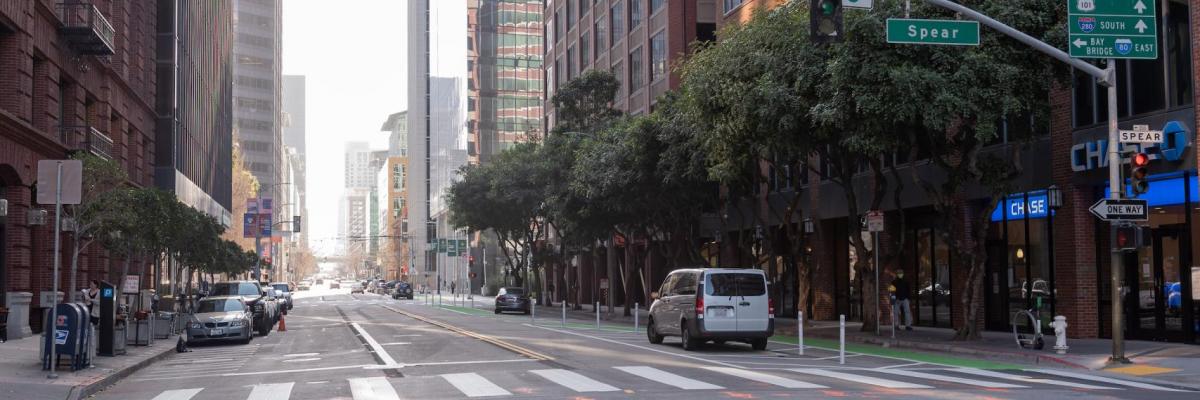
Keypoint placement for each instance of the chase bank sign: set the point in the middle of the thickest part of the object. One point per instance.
(1092, 154)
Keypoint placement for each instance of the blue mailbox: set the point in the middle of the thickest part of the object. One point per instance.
(68, 334)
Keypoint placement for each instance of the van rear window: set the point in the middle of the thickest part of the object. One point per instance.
(735, 284)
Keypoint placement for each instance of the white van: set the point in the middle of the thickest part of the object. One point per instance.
(713, 304)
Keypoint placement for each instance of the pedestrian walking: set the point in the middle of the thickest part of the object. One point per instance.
(900, 290)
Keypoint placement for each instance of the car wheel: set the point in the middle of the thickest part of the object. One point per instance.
(759, 344)
(689, 343)
(652, 334)
(249, 336)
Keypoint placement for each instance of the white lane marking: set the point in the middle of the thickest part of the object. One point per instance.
(288, 371)
(1022, 378)
(766, 378)
(316, 382)
(271, 391)
(300, 354)
(379, 351)
(377, 388)
(394, 343)
(833, 357)
(1114, 381)
(181, 394)
(952, 379)
(667, 378)
(406, 335)
(634, 346)
(887, 383)
(302, 359)
(574, 381)
(376, 366)
(474, 385)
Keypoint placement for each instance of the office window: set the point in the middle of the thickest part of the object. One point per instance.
(655, 5)
(618, 71)
(635, 13)
(562, 71)
(658, 55)
(570, 21)
(573, 62)
(616, 28)
(635, 69)
(730, 5)
(601, 34)
(558, 27)
(585, 54)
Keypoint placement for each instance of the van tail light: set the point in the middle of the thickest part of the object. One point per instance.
(771, 307)
(699, 306)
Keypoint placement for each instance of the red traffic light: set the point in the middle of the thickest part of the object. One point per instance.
(1140, 160)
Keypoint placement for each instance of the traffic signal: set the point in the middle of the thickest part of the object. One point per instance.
(1130, 237)
(825, 21)
(1138, 164)
(296, 223)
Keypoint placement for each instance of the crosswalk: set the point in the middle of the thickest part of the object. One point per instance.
(647, 379)
(200, 361)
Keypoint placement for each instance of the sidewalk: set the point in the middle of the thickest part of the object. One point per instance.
(22, 377)
(1167, 363)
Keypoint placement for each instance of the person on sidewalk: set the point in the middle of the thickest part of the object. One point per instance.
(91, 297)
(900, 291)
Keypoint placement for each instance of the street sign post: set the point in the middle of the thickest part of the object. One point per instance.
(933, 31)
(1112, 29)
(860, 4)
(1121, 210)
(1141, 134)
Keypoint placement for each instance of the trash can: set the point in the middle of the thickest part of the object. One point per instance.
(164, 327)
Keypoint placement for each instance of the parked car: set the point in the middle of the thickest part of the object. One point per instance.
(221, 318)
(335, 285)
(720, 305)
(512, 299)
(262, 309)
(304, 285)
(284, 293)
(272, 302)
(402, 290)
(356, 288)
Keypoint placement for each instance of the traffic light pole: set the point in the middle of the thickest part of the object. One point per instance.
(1108, 78)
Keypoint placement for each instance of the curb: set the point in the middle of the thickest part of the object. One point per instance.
(1031, 358)
(83, 391)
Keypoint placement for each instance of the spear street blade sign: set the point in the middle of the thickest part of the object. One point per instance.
(1121, 210)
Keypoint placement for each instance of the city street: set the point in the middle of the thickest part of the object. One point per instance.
(366, 346)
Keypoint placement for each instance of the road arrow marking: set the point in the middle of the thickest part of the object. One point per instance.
(1079, 43)
(1140, 7)
(1141, 26)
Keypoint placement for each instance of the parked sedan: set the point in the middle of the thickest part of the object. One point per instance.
(221, 318)
(356, 288)
(284, 293)
(512, 299)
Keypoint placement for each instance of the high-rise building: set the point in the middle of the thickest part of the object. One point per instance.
(638, 40)
(392, 181)
(194, 149)
(293, 139)
(357, 166)
(437, 121)
(504, 69)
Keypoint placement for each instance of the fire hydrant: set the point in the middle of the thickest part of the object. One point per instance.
(1060, 334)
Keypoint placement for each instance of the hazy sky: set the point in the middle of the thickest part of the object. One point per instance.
(353, 55)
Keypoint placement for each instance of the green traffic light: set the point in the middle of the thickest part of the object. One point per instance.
(827, 7)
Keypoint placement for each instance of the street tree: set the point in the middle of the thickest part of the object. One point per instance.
(97, 208)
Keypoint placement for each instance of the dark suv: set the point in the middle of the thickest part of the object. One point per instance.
(402, 290)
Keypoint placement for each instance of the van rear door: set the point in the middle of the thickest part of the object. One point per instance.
(720, 301)
(753, 304)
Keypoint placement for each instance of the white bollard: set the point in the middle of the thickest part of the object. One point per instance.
(842, 339)
(800, 333)
(597, 307)
(564, 314)
(1060, 334)
(635, 317)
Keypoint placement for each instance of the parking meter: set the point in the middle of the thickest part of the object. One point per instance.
(108, 319)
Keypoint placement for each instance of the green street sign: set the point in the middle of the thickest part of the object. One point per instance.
(441, 245)
(462, 247)
(1124, 29)
(933, 31)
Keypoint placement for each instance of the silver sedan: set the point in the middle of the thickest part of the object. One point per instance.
(220, 318)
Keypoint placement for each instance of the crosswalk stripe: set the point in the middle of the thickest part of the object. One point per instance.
(1022, 378)
(952, 379)
(887, 383)
(181, 394)
(574, 381)
(765, 378)
(271, 391)
(1114, 381)
(668, 378)
(377, 388)
(474, 385)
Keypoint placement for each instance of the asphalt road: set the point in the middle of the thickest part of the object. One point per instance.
(342, 346)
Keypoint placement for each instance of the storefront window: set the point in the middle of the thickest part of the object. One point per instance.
(1025, 280)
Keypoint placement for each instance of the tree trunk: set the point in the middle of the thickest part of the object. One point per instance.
(610, 268)
(627, 279)
(74, 266)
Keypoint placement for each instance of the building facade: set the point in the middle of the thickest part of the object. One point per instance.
(393, 183)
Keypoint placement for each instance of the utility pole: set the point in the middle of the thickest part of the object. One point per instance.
(1108, 78)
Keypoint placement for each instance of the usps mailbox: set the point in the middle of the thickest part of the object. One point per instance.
(68, 334)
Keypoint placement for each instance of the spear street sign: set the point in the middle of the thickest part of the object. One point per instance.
(1112, 29)
(933, 31)
(1121, 210)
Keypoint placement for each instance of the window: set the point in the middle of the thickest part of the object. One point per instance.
(601, 34)
(635, 13)
(635, 69)
(570, 21)
(618, 71)
(730, 5)
(655, 5)
(735, 284)
(558, 27)
(616, 25)
(658, 55)
(573, 62)
(585, 55)
(562, 71)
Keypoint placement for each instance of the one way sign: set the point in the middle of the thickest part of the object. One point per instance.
(1121, 210)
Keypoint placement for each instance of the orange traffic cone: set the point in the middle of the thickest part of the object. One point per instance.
(282, 324)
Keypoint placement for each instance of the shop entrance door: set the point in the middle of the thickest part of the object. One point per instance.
(1150, 276)
(998, 317)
